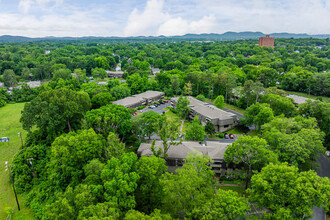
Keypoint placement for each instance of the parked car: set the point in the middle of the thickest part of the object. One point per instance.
(161, 102)
(152, 106)
(231, 136)
(165, 101)
(226, 136)
(135, 113)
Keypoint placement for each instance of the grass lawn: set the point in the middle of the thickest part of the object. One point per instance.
(9, 127)
(326, 99)
(172, 116)
(235, 108)
(213, 137)
(235, 131)
(239, 189)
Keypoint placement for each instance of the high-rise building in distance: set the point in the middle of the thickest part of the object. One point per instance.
(266, 41)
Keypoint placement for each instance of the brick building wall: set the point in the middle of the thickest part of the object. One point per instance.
(266, 41)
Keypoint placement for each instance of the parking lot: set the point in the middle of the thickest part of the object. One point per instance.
(159, 109)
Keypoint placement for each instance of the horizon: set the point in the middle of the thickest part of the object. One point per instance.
(132, 18)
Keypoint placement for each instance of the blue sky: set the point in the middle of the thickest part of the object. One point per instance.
(39, 18)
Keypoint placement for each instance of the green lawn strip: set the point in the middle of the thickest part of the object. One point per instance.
(234, 131)
(326, 99)
(235, 108)
(213, 137)
(239, 189)
(9, 127)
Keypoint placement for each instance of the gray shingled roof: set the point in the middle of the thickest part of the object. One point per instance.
(207, 109)
(134, 99)
(298, 99)
(214, 149)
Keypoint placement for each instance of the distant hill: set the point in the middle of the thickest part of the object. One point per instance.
(210, 36)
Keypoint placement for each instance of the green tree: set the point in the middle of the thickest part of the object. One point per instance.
(102, 211)
(149, 193)
(55, 112)
(196, 131)
(282, 189)
(280, 105)
(93, 89)
(80, 74)
(168, 133)
(61, 74)
(99, 73)
(228, 81)
(252, 152)
(209, 128)
(70, 152)
(109, 118)
(120, 181)
(9, 77)
(192, 186)
(175, 83)
(201, 97)
(147, 123)
(219, 102)
(258, 114)
(296, 140)
(188, 88)
(102, 99)
(182, 107)
(101, 62)
(120, 92)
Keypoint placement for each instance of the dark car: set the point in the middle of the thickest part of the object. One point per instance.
(166, 101)
(231, 136)
(226, 136)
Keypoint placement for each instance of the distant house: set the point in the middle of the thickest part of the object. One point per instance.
(115, 74)
(47, 51)
(2, 85)
(298, 100)
(221, 119)
(178, 153)
(34, 84)
(102, 83)
(137, 100)
(154, 71)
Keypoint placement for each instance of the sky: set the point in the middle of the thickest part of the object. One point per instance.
(76, 18)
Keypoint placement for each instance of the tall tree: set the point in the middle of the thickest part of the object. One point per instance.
(55, 112)
(283, 190)
(219, 102)
(182, 107)
(9, 77)
(196, 132)
(252, 153)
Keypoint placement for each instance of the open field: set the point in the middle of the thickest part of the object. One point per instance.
(9, 127)
(170, 115)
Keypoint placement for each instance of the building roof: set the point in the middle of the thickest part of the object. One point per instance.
(34, 84)
(102, 83)
(135, 99)
(214, 149)
(207, 109)
(115, 72)
(298, 99)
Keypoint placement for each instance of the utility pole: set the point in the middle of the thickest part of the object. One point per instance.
(12, 182)
(19, 134)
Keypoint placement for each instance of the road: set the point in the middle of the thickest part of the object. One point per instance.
(159, 109)
(324, 171)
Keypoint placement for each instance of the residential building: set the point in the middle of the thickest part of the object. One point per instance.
(221, 119)
(115, 74)
(102, 83)
(34, 84)
(266, 41)
(178, 153)
(137, 100)
(154, 71)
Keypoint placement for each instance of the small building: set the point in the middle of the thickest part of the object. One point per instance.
(298, 100)
(34, 84)
(2, 85)
(137, 100)
(154, 71)
(266, 41)
(115, 74)
(178, 153)
(102, 83)
(221, 119)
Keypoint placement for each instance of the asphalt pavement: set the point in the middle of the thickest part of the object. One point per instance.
(159, 109)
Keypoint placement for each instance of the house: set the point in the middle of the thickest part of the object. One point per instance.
(298, 100)
(102, 83)
(154, 71)
(178, 153)
(137, 100)
(34, 84)
(2, 85)
(115, 74)
(221, 119)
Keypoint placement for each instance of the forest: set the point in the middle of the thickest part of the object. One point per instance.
(83, 147)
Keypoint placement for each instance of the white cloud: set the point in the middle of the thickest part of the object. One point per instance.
(144, 23)
(25, 5)
(179, 26)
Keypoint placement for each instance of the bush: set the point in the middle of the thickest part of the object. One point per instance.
(221, 135)
(141, 107)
